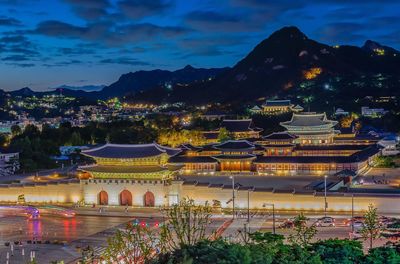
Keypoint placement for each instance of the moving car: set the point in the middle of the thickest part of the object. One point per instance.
(325, 221)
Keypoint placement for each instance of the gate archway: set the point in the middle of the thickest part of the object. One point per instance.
(125, 198)
(149, 200)
(103, 198)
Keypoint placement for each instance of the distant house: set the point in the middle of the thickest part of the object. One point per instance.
(341, 112)
(237, 128)
(297, 108)
(9, 162)
(277, 106)
(372, 112)
(213, 115)
(241, 128)
(255, 110)
(389, 144)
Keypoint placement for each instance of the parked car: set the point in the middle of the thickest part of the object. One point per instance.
(325, 221)
(358, 219)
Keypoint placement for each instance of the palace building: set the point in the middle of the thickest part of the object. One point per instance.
(311, 128)
(129, 175)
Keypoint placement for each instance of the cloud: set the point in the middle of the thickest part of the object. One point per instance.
(125, 61)
(10, 22)
(15, 58)
(90, 9)
(108, 33)
(22, 65)
(215, 21)
(138, 9)
(19, 46)
(342, 32)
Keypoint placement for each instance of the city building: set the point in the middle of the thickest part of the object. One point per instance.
(372, 112)
(277, 106)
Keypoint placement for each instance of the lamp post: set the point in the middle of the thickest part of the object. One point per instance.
(352, 213)
(273, 215)
(233, 196)
(326, 204)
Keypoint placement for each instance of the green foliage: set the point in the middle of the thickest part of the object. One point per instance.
(385, 162)
(303, 234)
(382, 255)
(224, 135)
(15, 130)
(187, 224)
(334, 251)
(371, 229)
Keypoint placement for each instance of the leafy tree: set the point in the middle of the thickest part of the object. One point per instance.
(303, 234)
(382, 255)
(15, 130)
(76, 139)
(186, 225)
(224, 135)
(295, 254)
(134, 244)
(333, 251)
(3, 139)
(371, 229)
(205, 252)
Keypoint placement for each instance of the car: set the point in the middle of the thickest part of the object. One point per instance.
(354, 219)
(383, 220)
(287, 224)
(325, 221)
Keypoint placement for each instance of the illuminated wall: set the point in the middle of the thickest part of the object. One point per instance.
(50, 193)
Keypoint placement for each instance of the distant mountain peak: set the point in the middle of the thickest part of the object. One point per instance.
(372, 46)
(287, 33)
(188, 67)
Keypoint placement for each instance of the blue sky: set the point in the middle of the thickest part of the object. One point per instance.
(48, 43)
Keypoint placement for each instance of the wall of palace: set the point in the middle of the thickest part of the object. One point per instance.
(156, 193)
(61, 192)
(290, 201)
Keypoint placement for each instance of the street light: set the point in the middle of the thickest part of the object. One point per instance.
(326, 204)
(273, 215)
(248, 203)
(352, 213)
(233, 196)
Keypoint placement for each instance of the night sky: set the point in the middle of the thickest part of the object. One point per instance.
(48, 43)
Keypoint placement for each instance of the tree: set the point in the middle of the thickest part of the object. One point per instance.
(371, 229)
(303, 234)
(382, 255)
(76, 139)
(206, 251)
(134, 244)
(223, 135)
(343, 251)
(15, 130)
(186, 225)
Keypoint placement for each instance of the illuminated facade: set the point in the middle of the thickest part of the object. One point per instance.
(311, 128)
(130, 175)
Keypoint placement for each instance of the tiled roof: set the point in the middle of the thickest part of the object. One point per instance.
(277, 103)
(280, 135)
(235, 144)
(235, 157)
(127, 151)
(191, 159)
(233, 125)
(309, 119)
(126, 169)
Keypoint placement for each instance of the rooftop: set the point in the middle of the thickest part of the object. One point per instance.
(308, 119)
(277, 103)
(129, 151)
(239, 125)
(235, 144)
(280, 136)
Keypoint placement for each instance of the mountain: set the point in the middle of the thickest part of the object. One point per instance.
(139, 81)
(288, 64)
(24, 92)
(376, 48)
(86, 88)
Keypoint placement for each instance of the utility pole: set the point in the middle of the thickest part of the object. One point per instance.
(352, 212)
(248, 205)
(326, 204)
(273, 215)
(233, 196)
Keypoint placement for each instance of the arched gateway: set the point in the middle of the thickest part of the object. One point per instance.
(149, 200)
(103, 198)
(125, 198)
